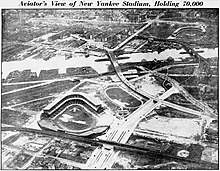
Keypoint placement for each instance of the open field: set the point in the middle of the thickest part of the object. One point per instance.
(7, 88)
(36, 105)
(15, 118)
(179, 99)
(37, 92)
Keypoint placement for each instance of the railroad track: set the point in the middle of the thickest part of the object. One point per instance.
(154, 152)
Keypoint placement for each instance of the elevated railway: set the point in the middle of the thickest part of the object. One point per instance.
(115, 146)
(124, 80)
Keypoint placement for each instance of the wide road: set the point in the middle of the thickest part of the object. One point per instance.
(104, 157)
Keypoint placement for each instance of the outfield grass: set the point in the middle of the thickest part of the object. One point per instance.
(80, 119)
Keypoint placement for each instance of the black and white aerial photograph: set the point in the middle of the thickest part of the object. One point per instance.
(110, 89)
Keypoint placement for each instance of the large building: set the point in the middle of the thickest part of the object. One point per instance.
(75, 113)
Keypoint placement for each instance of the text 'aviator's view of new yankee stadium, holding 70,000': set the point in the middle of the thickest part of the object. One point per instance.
(109, 89)
(109, 4)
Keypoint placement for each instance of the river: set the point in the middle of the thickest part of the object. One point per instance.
(59, 62)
